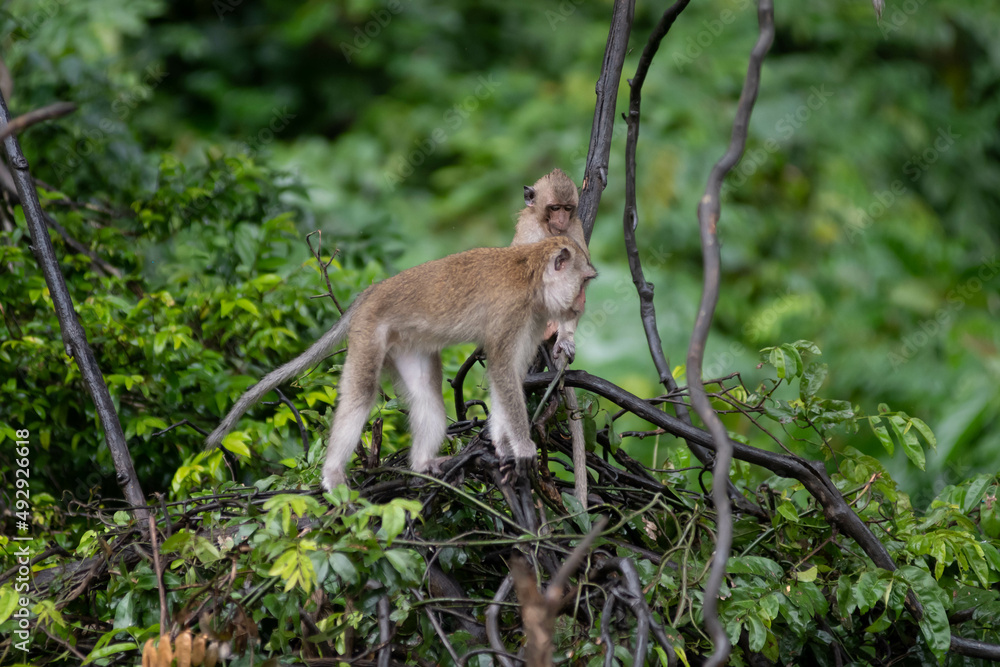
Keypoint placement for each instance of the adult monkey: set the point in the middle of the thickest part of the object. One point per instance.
(550, 209)
(501, 298)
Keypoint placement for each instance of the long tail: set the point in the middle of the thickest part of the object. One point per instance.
(316, 352)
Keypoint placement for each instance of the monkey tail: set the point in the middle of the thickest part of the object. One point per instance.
(316, 352)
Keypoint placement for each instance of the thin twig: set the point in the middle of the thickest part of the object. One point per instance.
(323, 266)
(158, 571)
(298, 420)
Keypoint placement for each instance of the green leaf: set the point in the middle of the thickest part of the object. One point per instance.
(925, 431)
(758, 633)
(248, 305)
(406, 562)
(908, 438)
(8, 602)
(975, 491)
(789, 511)
(109, 650)
(764, 567)
(393, 522)
(236, 443)
(934, 624)
(343, 567)
(882, 433)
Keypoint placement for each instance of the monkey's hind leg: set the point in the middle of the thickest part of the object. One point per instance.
(420, 377)
(509, 426)
(358, 385)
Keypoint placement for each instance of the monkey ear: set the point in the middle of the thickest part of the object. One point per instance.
(529, 195)
(561, 259)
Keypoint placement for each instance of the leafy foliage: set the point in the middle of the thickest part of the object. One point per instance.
(207, 143)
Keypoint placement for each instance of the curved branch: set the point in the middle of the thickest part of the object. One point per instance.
(708, 217)
(630, 221)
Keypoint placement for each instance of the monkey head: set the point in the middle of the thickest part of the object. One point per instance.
(553, 199)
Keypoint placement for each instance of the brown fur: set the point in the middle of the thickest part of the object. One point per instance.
(500, 298)
(535, 223)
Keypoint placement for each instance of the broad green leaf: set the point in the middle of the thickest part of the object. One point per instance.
(764, 567)
(393, 522)
(110, 650)
(882, 433)
(908, 439)
(925, 431)
(975, 491)
(236, 443)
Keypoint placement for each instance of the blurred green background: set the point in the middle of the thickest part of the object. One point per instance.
(864, 216)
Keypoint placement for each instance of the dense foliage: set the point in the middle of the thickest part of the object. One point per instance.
(211, 137)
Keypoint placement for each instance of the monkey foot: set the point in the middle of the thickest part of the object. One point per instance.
(333, 478)
(512, 469)
(433, 467)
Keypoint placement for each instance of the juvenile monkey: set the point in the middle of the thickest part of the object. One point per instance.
(550, 210)
(501, 298)
(550, 207)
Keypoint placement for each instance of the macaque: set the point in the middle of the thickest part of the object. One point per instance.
(501, 298)
(550, 211)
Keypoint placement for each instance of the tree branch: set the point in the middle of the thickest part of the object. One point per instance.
(73, 335)
(23, 121)
(595, 175)
(708, 218)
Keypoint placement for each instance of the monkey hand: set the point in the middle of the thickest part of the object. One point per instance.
(565, 347)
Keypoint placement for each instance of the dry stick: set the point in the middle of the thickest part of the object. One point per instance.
(708, 218)
(159, 575)
(630, 221)
(595, 175)
(73, 335)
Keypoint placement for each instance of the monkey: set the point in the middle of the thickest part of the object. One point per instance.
(550, 207)
(500, 298)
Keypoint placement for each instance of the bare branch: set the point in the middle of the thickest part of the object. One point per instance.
(73, 335)
(595, 176)
(23, 121)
